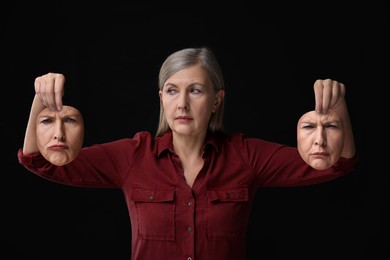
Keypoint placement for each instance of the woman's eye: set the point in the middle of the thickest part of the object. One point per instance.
(70, 120)
(195, 91)
(171, 91)
(307, 126)
(331, 126)
(46, 121)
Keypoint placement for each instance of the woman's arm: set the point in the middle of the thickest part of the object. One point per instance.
(49, 90)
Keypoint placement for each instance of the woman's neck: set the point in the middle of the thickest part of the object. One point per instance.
(188, 146)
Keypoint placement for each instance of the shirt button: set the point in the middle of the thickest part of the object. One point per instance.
(151, 197)
(189, 258)
(189, 229)
(189, 203)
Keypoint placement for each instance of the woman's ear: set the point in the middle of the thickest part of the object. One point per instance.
(218, 99)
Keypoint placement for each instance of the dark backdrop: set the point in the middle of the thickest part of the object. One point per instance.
(270, 55)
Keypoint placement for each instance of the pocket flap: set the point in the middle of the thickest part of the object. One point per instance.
(148, 194)
(235, 194)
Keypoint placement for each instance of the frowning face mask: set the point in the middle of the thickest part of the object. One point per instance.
(320, 139)
(60, 134)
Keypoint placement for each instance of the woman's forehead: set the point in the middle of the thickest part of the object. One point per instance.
(65, 111)
(314, 116)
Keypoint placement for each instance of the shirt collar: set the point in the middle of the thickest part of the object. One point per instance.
(165, 143)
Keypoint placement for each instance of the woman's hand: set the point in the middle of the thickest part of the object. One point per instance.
(329, 95)
(49, 89)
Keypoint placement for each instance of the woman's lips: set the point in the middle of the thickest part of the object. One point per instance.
(58, 147)
(184, 118)
(320, 154)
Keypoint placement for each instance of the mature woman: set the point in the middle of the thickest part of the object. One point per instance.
(189, 188)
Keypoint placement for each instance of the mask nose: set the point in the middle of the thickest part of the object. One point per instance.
(59, 134)
(320, 139)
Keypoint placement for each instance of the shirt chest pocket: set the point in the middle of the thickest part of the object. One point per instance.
(155, 212)
(226, 209)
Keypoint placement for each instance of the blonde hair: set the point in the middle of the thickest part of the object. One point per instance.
(185, 58)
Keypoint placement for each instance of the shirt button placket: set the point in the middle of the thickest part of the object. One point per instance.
(190, 229)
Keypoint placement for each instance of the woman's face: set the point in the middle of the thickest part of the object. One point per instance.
(189, 101)
(60, 134)
(320, 139)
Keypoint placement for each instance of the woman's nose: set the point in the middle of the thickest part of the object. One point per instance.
(183, 107)
(183, 102)
(59, 133)
(320, 139)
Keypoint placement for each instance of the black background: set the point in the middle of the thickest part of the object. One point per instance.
(271, 55)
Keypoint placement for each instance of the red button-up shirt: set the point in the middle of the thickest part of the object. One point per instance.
(172, 220)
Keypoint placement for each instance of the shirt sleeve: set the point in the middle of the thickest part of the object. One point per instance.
(280, 165)
(100, 166)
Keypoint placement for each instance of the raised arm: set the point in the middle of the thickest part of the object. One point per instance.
(49, 90)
